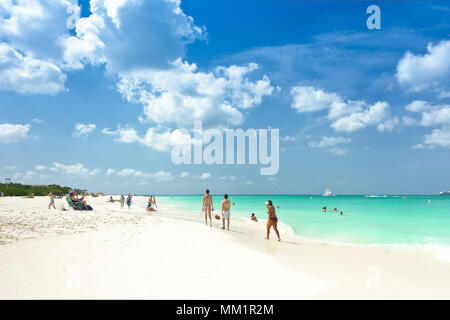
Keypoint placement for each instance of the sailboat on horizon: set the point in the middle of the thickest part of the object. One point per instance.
(327, 192)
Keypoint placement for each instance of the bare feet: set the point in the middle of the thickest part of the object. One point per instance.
(266, 238)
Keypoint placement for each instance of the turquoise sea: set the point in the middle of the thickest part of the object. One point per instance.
(388, 220)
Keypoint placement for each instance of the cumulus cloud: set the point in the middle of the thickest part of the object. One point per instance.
(157, 176)
(438, 137)
(432, 115)
(40, 167)
(330, 144)
(31, 47)
(158, 139)
(345, 115)
(83, 130)
(75, 170)
(29, 175)
(110, 171)
(428, 71)
(28, 75)
(309, 99)
(12, 133)
(181, 94)
(205, 175)
(375, 115)
(184, 174)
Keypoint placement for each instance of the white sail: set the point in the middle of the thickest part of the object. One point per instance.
(327, 192)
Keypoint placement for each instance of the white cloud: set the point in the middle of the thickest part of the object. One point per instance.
(76, 170)
(309, 99)
(205, 175)
(10, 168)
(346, 116)
(31, 50)
(17, 176)
(375, 115)
(184, 174)
(438, 137)
(181, 94)
(40, 167)
(38, 121)
(29, 175)
(127, 172)
(83, 130)
(329, 142)
(11, 133)
(157, 176)
(288, 139)
(428, 71)
(338, 151)
(154, 138)
(249, 182)
(432, 115)
(110, 171)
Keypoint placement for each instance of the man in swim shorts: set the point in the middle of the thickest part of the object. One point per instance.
(226, 212)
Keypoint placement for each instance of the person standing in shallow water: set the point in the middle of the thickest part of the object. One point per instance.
(272, 220)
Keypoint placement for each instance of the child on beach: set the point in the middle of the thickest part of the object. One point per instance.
(129, 200)
(272, 220)
(253, 217)
(52, 201)
(226, 212)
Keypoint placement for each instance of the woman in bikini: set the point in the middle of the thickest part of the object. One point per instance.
(52, 201)
(272, 220)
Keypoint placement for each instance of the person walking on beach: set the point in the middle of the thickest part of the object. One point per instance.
(129, 200)
(154, 201)
(52, 201)
(272, 220)
(226, 212)
(207, 207)
(122, 201)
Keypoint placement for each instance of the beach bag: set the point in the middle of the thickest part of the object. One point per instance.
(89, 208)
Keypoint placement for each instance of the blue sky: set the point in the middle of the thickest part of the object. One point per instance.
(92, 94)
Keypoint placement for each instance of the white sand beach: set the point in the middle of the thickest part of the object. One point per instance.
(130, 254)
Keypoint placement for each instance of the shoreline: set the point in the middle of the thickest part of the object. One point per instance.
(299, 269)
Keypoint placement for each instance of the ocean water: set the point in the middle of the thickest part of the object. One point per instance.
(388, 220)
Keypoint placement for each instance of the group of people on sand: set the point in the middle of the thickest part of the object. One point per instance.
(129, 200)
(207, 208)
(151, 203)
(76, 200)
(324, 209)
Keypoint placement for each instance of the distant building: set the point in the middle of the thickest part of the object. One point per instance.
(100, 194)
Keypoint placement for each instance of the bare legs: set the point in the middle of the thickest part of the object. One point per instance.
(274, 225)
(208, 214)
(228, 224)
